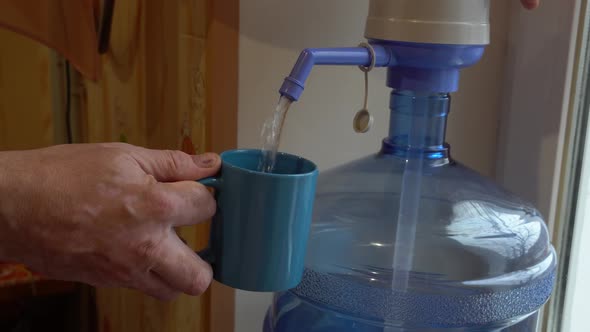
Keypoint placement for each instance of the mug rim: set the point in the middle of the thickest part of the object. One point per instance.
(236, 151)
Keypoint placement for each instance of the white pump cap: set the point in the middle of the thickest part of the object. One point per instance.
(456, 22)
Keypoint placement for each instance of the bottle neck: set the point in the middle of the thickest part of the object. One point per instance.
(418, 124)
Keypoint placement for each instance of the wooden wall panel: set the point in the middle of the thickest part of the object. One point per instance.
(169, 81)
(155, 92)
(222, 118)
(26, 103)
(114, 106)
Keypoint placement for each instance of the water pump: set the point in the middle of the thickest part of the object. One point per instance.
(423, 43)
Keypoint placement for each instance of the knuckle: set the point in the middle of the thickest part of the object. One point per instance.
(150, 179)
(122, 145)
(115, 145)
(210, 207)
(177, 159)
(161, 204)
(206, 202)
(115, 270)
(148, 251)
(200, 281)
(123, 277)
(126, 273)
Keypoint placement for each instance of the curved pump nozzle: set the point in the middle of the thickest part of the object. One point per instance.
(294, 84)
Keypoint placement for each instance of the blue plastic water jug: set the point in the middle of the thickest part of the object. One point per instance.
(408, 239)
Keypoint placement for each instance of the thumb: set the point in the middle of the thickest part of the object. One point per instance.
(172, 166)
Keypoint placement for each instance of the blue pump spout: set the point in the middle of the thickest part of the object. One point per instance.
(351, 56)
(412, 66)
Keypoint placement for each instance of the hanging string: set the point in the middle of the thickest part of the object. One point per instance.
(363, 120)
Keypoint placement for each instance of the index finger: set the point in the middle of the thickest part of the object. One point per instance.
(182, 203)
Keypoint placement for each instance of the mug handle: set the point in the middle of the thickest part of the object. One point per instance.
(215, 183)
(211, 182)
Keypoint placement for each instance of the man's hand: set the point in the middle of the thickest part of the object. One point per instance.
(530, 4)
(104, 214)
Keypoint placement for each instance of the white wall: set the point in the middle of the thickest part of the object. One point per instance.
(542, 47)
(319, 127)
(536, 87)
(578, 284)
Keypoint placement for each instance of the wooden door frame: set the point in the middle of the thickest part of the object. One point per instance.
(222, 106)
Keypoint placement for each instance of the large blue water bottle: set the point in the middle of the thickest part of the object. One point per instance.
(479, 258)
(408, 239)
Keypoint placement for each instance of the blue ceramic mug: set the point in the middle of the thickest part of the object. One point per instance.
(260, 231)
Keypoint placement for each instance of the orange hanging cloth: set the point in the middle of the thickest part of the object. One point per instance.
(71, 27)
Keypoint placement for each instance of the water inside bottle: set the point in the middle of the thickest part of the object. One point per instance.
(347, 305)
(270, 135)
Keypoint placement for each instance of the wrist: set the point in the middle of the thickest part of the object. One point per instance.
(10, 202)
(3, 206)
